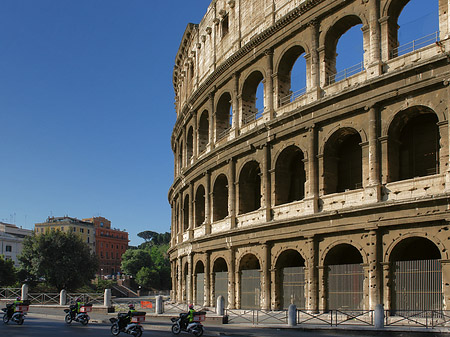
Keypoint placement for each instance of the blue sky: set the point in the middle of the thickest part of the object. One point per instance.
(86, 107)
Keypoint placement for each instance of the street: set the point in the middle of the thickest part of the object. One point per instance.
(44, 327)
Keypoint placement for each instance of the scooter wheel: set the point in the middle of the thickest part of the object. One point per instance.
(68, 319)
(5, 319)
(198, 331)
(115, 329)
(20, 321)
(176, 329)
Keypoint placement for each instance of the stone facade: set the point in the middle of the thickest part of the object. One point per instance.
(353, 172)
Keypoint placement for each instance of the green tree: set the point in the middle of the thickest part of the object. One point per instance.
(7, 272)
(148, 278)
(63, 259)
(135, 259)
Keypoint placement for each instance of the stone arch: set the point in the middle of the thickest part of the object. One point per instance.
(199, 206)
(415, 275)
(344, 277)
(290, 176)
(415, 234)
(331, 38)
(250, 282)
(186, 213)
(290, 279)
(220, 197)
(220, 279)
(342, 161)
(190, 144)
(248, 95)
(203, 131)
(413, 144)
(199, 283)
(284, 74)
(249, 187)
(223, 115)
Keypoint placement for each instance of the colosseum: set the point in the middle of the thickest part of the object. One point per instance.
(334, 194)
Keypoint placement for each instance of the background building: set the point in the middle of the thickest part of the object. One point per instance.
(11, 238)
(331, 196)
(110, 244)
(67, 224)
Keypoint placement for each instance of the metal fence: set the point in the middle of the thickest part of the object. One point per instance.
(199, 288)
(257, 316)
(250, 289)
(292, 96)
(342, 75)
(221, 286)
(10, 293)
(415, 44)
(293, 281)
(345, 286)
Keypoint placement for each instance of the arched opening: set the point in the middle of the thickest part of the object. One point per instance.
(290, 279)
(291, 75)
(250, 188)
(416, 275)
(345, 278)
(203, 131)
(223, 114)
(220, 272)
(200, 206)
(190, 144)
(186, 282)
(180, 156)
(250, 282)
(343, 33)
(290, 176)
(413, 144)
(199, 275)
(252, 97)
(343, 162)
(186, 213)
(412, 24)
(220, 198)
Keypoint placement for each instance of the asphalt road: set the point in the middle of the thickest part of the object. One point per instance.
(44, 327)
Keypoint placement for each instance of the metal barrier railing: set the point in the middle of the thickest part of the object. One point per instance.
(174, 307)
(415, 44)
(292, 96)
(310, 317)
(40, 298)
(10, 293)
(253, 117)
(357, 317)
(342, 75)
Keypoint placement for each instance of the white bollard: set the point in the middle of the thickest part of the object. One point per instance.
(292, 315)
(379, 316)
(220, 307)
(159, 305)
(24, 294)
(63, 297)
(107, 299)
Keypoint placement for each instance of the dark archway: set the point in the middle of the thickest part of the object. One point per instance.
(249, 268)
(249, 188)
(290, 176)
(203, 131)
(290, 279)
(199, 276)
(220, 274)
(291, 84)
(220, 198)
(223, 116)
(200, 206)
(249, 95)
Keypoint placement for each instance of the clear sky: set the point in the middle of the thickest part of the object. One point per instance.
(86, 109)
(86, 106)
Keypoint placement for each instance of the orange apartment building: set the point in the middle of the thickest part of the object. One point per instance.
(110, 244)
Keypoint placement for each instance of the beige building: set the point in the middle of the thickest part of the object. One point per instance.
(331, 196)
(82, 228)
(11, 241)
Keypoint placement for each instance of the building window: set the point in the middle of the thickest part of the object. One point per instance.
(224, 26)
(101, 224)
(81, 230)
(42, 229)
(62, 228)
(89, 232)
(74, 229)
(8, 248)
(107, 255)
(101, 244)
(88, 239)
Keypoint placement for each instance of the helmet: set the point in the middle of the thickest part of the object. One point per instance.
(191, 306)
(78, 300)
(18, 298)
(131, 306)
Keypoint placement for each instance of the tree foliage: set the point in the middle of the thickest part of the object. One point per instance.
(62, 259)
(149, 263)
(7, 272)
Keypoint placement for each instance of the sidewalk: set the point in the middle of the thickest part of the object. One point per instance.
(163, 322)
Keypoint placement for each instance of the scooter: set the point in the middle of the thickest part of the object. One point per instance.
(195, 328)
(133, 328)
(82, 317)
(17, 317)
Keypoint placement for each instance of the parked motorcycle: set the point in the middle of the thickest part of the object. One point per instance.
(18, 316)
(82, 316)
(195, 328)
(134, 328)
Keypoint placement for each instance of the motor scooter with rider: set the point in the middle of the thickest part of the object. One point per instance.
(189, 322)
(128, 322)
(16, 311)
(78, 312)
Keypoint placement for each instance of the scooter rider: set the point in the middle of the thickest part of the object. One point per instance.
(190, 317)
(75, 309)
(12, 307)
(125, 320)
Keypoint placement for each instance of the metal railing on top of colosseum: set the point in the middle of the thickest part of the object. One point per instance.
(292, 96)
(343, 74)
(415, 44)
(253, 117)
(222, 134)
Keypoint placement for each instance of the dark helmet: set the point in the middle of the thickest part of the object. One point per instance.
(18, 298)
(78, 300)
(191, 306)
(131, 306)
